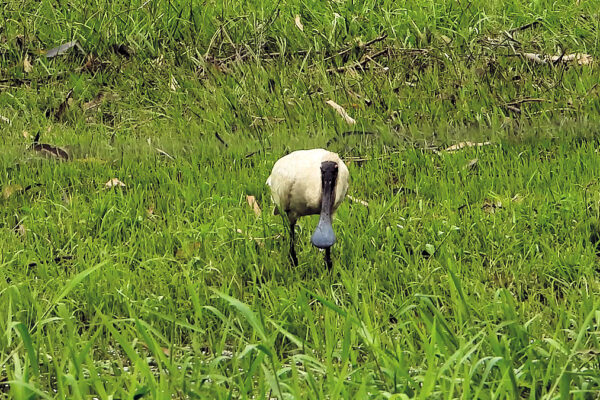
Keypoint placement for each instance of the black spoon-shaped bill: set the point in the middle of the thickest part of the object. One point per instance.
(324, 237)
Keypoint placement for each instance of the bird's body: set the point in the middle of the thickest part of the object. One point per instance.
(301, 180)
(296, 182)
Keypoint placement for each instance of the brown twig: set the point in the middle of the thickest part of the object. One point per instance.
(361, 64)
(525, 100)
(349, 48)
(221, 139)
(533, 24)
(512, 108)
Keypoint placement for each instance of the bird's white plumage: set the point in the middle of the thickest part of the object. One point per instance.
(296, 186)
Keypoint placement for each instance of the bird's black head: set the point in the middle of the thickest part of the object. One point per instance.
(329, 171)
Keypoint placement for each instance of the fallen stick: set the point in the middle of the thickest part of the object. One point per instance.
(362, 64)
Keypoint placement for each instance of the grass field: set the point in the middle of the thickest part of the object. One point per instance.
(469, 274)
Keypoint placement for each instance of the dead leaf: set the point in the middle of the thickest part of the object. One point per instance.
(490, 207)
(187, 250)
(63, 48)
(298, 23)
(9, 190)
(579, 58)
(359, 201)
(534, 57)
(517, 198)
(123, 50)
(114, 182)
(340, 110)
(462, 145)
(27, 67)
(254, 205)
(446, 39)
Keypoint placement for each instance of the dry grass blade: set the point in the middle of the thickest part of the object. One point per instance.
(164, 153)
(359, 201)
(20, 230)
(472, 164)
(63, 48)
(361, 64)
(174, 85)
(298, 23)
(340, 110)
(254, 205)
(462, 145)
(114, 182)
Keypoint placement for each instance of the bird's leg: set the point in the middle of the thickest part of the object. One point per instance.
(328, 258)
(293, 257)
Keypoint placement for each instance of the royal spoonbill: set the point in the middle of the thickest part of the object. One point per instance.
(308, 182)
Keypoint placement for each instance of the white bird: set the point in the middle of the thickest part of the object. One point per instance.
(308, 182)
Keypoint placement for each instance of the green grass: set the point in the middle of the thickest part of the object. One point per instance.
(456, 281)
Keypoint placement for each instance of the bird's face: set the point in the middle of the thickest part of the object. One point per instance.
(329, 171)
